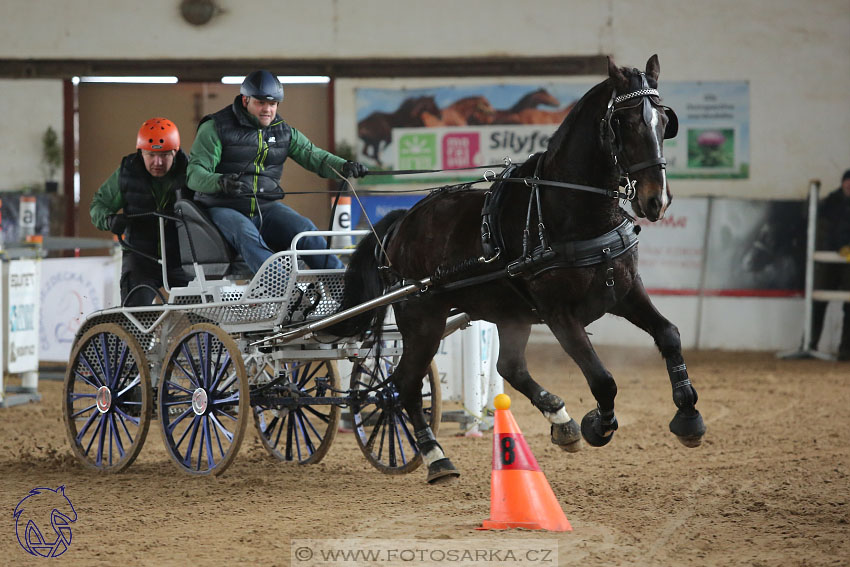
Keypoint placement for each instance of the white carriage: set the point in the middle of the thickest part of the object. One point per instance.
(226, 349)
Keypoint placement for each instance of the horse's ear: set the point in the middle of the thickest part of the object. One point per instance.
(615, 74)
(653, 68)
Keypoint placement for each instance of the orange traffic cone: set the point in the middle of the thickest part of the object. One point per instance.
(520, 495)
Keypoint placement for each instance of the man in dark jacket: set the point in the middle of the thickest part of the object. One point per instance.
(834, 234)
(145, 182)
(235, 167)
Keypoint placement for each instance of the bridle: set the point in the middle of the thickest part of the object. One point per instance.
(610, 130)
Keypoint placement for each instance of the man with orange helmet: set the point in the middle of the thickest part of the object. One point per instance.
(235, 167)
(145, 182)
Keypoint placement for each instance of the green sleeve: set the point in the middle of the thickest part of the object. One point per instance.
(312, 157)
(203, 159)
(107, 201)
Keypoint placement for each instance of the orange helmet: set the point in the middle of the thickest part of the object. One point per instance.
(158, 135)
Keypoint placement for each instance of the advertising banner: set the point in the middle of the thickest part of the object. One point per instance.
(23, 313)
(71, 289)
(454, 127)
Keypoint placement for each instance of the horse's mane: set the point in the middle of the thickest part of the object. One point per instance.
(559, 137)
(410, 103)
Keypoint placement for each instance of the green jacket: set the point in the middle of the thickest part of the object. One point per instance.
(206, 155)
(109, 200)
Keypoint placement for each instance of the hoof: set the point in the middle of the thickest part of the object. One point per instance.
(689, 429)
(567, 436)
(442, 471)
(589, 429)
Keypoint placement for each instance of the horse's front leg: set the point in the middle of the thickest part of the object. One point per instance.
(598, 425)
(637, 308)
(513, 339)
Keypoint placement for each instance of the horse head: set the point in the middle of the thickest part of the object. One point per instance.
(635, 127)
(411, 110)
(540, 97)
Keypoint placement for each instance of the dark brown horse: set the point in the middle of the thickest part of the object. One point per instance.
(462, 112)
(528, 101)
(564, 262)
(376, 129)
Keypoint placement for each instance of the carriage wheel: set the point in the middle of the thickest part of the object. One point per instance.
(381, 425)
(107, 398)
(203, 400)
(298, 431)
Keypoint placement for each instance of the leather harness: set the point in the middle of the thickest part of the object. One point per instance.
(545, 256)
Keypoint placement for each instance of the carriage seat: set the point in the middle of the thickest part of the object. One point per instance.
(201, 242)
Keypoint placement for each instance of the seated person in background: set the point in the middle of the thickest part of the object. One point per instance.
(833, 234)
(235, 166)
(145, 181)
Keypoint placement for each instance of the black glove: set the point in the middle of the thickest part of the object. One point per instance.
(117, 223)
(354, 169)
(230, 184)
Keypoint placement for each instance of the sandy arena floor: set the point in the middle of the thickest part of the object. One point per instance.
(768, 487)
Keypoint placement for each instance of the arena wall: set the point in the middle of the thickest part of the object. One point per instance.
(794, 56)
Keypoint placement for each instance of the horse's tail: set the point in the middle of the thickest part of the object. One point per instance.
(363, 281)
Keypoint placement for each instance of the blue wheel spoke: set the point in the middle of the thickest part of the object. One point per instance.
(85, 378)
(399, 424)
(170, 427)
(365, 420)
(125, 416)
(189, 375)
(383, 428)
(117, 434)
(231, 400)
(109, 438)
(290, 442)
(370, 443)
(119, 368)
(103, 359)
(82, 411)
(310, 372)
(279, 430)
(177, 386)
(407, 434)
(317, 413)
(203, 358)
(203, 431)
(126, 430)
(226, 386)
(207, 435)
(101, 436)
(94, 374)
(193, 430)
(220, 411)
(306, 426)
(217, 437)
(85, 428)
(220, 426)
(391, 440)
(136, 381)
(222, 370)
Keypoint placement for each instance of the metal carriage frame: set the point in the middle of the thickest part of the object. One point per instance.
(220, 352)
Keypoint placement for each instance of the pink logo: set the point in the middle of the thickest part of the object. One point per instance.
(460, 150)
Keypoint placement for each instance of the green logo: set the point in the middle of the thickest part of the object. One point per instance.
(417, 151)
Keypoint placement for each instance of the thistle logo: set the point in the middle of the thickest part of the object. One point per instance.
(43, 522)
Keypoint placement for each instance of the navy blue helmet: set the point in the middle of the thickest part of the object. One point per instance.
(262, 85)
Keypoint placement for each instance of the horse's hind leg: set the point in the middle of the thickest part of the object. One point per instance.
(513, 338)
(638, 309)
(422, 332)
